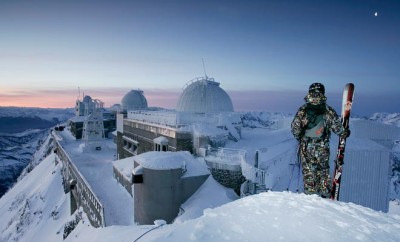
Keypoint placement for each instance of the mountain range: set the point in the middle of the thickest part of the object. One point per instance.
(22, 131)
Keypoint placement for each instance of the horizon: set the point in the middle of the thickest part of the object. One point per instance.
(243, 101)
(265, 54)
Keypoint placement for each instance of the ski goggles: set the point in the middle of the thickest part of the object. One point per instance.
(315, 98)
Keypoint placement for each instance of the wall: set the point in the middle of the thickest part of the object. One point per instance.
(162, 193)
(158, 197)
(228, 175)
(144, 134)
(365, 179)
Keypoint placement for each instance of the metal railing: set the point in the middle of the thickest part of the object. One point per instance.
(182, 119)
(226, 155)
(86, 197)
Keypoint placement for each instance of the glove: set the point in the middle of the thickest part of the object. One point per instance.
(346, 133)
(339, 162)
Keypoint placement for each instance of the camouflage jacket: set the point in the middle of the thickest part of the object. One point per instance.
(301, 122)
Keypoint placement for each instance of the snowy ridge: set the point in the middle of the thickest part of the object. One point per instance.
(16, 151)
(387, 118)
(34, 205)
(269, 120)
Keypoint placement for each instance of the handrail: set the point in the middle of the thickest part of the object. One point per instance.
(91, 201)
(252, 173)
(198, 79)
(234, 156)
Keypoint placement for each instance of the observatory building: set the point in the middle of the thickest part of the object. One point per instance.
(203, 119)
(87, 107)
(203, 95)
(134, 100)
(202, 103)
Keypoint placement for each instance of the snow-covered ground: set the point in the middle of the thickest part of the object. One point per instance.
(37, 209)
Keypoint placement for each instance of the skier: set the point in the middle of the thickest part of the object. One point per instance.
(312, 126)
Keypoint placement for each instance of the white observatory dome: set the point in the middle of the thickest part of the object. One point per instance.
(203, 95)
(134, 100)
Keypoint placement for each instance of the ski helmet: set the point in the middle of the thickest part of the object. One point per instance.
(316, 87)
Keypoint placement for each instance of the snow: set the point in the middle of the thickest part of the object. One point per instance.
(96, 168)
(270, 216)
(163, 161)
(172, 160)
(35, 204)
(36, 208)
(125, 166)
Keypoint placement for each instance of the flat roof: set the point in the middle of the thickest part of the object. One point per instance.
(96, 167)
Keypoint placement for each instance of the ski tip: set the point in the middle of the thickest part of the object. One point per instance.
(350, 86)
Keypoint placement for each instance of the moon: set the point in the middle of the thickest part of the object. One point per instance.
(376, 14)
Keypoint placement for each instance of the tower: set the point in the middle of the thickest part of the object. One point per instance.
(93, 127)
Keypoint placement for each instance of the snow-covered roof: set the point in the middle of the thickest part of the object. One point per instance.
(160, 140)
(125, 166)
(172, 160)
(203, 95)
(134, 100)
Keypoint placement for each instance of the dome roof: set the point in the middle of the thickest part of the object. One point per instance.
(87, 99)
(203, 95)
(134, 100)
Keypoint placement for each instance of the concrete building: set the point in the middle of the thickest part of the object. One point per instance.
(162, 182)
(203, 118)
(202, 103)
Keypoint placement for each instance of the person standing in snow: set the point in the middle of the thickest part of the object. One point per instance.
(312, 126)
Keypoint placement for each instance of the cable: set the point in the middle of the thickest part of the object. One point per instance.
(148, 232)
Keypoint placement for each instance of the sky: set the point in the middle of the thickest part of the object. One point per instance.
(265, 54)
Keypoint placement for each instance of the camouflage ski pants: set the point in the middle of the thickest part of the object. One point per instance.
(314, 155)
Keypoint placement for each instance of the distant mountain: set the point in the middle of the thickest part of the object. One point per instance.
(21, 133)
(17, 119)
(387, 118)
(266, 120)
(16, 151)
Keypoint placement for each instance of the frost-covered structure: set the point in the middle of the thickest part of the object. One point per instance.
(93, 128)
(203, 95)
(134, 99)
(204, 116)
(169, 179)
(85, 108)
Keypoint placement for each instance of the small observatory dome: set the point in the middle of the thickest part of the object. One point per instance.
(134, 100)
(203, 95)
(87, 99)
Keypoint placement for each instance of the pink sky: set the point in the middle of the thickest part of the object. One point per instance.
(250, 100)
(242, 100)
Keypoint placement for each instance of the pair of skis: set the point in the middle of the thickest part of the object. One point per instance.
(347, 102)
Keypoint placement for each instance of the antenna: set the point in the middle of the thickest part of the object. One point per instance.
(79, 93)
(204, 68)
